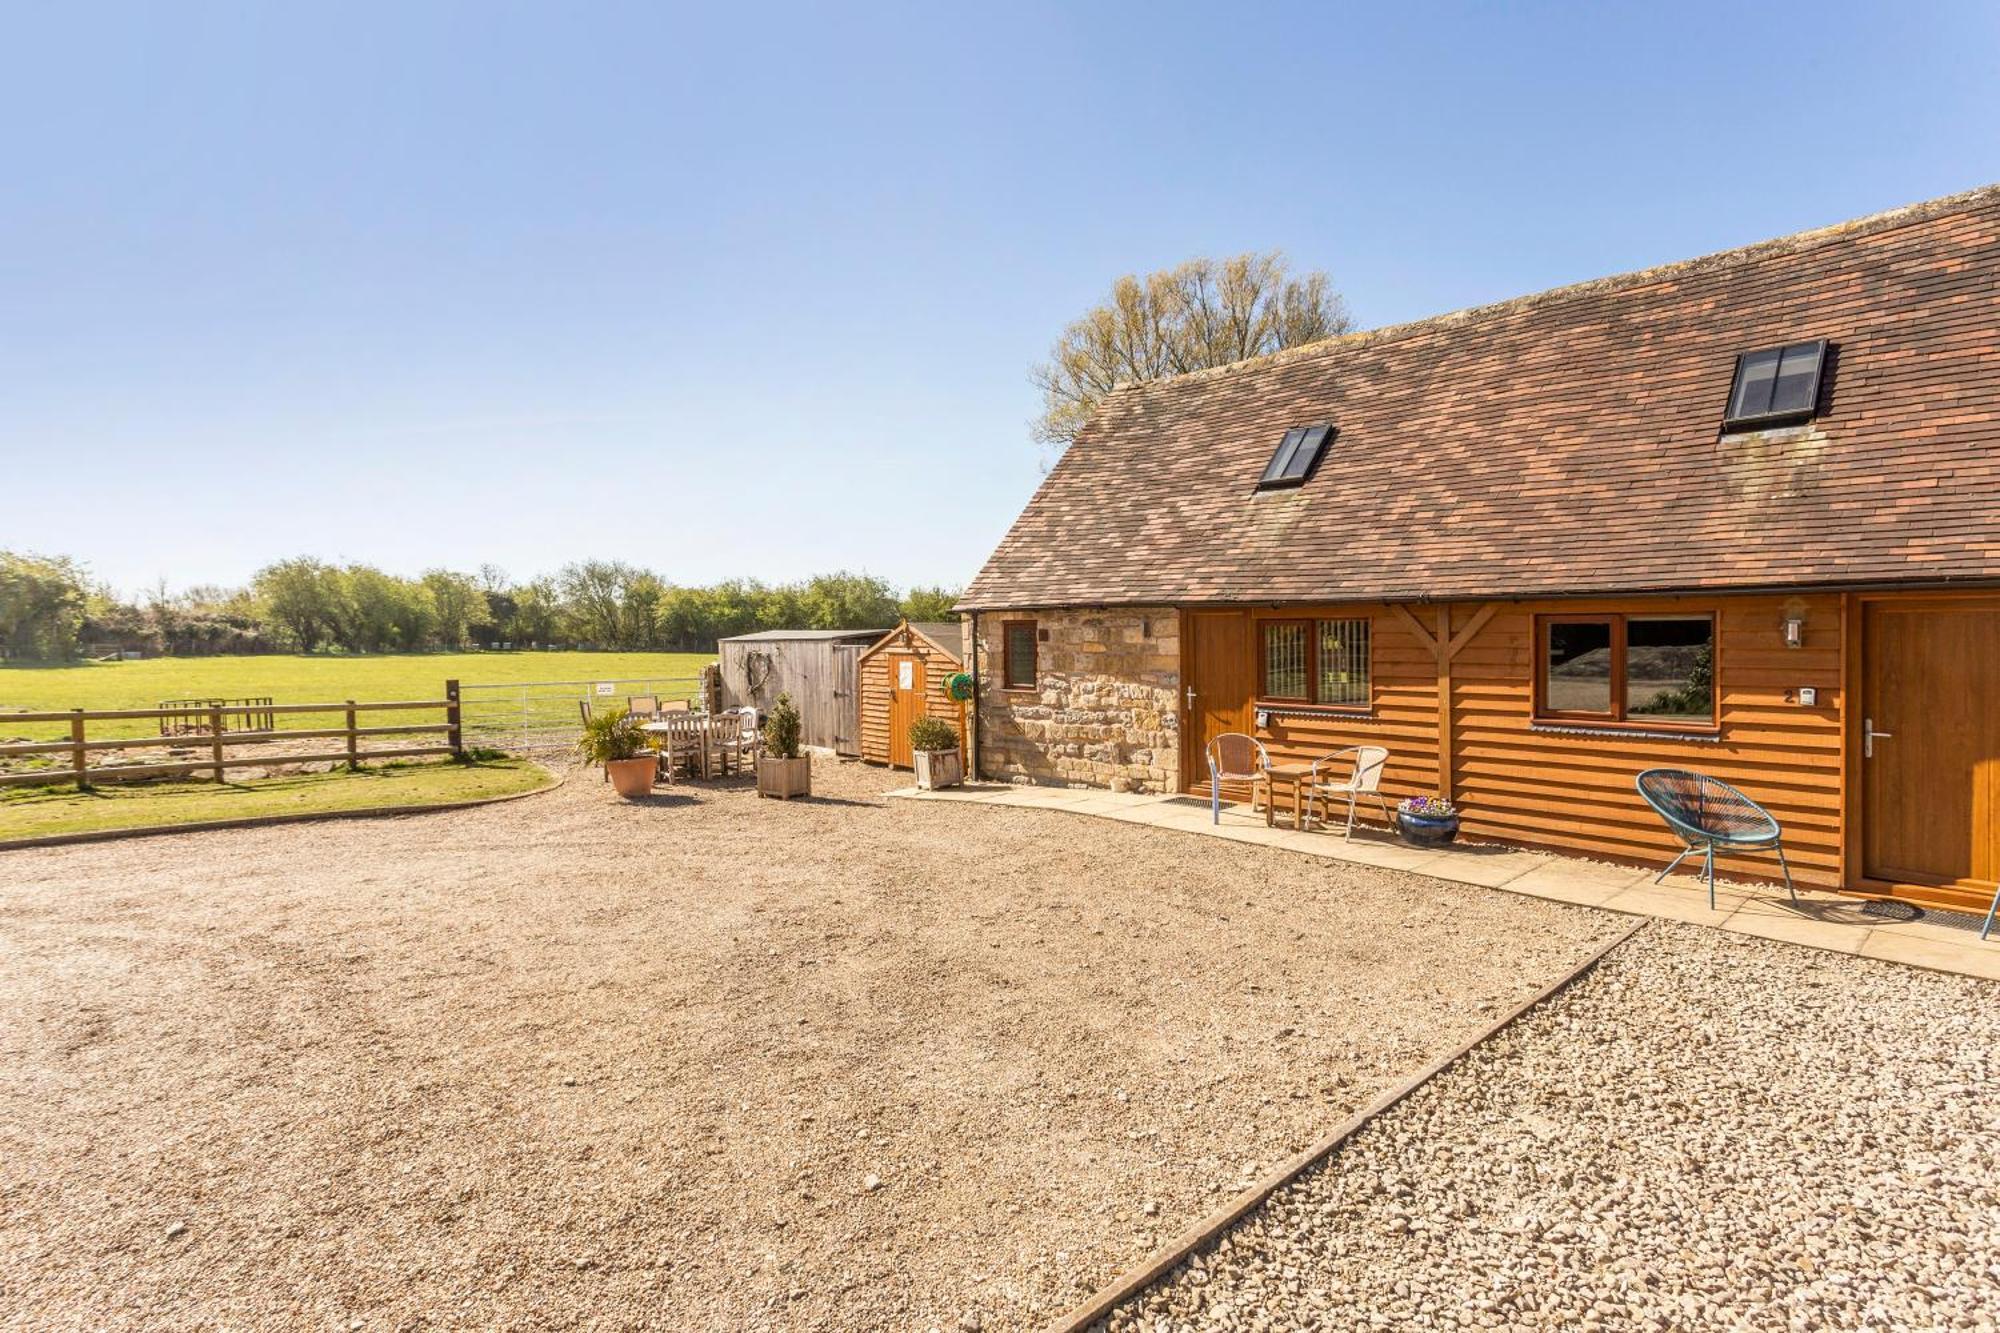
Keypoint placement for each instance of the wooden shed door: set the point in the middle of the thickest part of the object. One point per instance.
(1219, 664)
(847, 698)
(906, 705)
(1930, 766)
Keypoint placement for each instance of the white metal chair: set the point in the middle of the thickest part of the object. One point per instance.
(751, 742)
(1364, 779)
(1235, 757)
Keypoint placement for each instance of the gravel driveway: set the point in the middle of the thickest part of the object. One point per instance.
(1708, 1131)
(704, 1062)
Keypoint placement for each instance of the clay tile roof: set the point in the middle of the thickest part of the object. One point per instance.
(1564, 443)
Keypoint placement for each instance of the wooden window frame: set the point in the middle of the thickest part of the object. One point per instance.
(1007, 685)
(1617, 718)
(1309, 702)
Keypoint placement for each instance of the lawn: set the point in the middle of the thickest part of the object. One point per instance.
(42, 812)
(316, 679)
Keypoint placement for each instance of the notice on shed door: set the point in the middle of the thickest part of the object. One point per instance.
(906, 674)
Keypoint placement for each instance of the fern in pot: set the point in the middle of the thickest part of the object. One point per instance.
(935, 754)
(782, 771)
(613, 738)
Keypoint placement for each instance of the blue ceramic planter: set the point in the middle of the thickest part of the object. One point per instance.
(1427, 830)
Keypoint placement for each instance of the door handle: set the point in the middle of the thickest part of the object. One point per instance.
(1190, 697)
(1869, 736)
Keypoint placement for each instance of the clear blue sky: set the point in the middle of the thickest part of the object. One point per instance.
(754, 290)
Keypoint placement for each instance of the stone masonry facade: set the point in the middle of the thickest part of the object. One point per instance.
(1105, 710)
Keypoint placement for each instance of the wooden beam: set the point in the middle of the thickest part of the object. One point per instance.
(1471, 628)
(1415, 626)
(1443, 647)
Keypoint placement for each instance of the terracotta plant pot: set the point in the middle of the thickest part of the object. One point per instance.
(784, 778)
(938, 768)
(632, 777)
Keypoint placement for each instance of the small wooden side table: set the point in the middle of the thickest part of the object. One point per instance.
(1297, 776)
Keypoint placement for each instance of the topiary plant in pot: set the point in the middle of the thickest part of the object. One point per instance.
(612, 738)
(935, 753)
(781, 770)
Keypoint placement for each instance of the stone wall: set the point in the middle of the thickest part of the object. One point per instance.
(1105, 710)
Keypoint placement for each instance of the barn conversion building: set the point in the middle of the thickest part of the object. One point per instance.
(1739, 514)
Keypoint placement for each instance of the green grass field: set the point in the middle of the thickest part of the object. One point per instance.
(322, 679)
(44, 811)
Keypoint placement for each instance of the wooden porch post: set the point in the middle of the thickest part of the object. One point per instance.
(1444, 700)
(1444, 646)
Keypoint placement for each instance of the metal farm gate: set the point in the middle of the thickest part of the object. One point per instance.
(547, 714)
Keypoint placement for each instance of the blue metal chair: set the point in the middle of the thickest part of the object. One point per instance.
(1987, 929)
(1708, 814)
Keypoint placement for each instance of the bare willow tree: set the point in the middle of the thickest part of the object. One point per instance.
(1206, 312)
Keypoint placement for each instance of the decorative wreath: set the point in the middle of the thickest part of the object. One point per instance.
(757, 666)
(958, 686)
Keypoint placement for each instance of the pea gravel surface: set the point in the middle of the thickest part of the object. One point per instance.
(1706, 1131)
(702, 1061)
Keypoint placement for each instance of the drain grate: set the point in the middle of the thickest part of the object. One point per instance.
(1930, 916)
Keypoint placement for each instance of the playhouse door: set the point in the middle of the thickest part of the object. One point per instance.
(906, 705)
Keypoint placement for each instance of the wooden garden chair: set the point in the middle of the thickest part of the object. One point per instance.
(682, 744)
(645, 706)
(724, 750)
(1364, 778)
(1235, 757)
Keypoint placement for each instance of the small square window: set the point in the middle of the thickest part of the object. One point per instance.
(1298, 454)
(1776, 384)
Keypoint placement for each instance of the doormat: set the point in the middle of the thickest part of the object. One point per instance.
(1930, 916)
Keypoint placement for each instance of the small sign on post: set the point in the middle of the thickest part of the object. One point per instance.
(607, 687)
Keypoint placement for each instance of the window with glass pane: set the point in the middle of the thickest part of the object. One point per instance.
(1285, 643)
(1670, 668)
(1577, 670)
(1017, 667)
(1343, 661)
(1776, 382)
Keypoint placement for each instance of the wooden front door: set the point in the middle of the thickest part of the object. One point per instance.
(1220, 664)
(906, 705)
(1930, 765)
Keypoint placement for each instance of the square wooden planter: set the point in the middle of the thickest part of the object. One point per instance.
(939, 768)
(784, 778)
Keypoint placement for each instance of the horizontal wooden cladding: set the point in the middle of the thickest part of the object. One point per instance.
(1568, 786)
(1533, 783)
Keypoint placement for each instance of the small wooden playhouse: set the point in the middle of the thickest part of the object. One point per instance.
(902, 677)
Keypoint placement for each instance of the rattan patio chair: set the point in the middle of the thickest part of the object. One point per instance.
(1235, 757)
(1365, 779)
(1710, 815)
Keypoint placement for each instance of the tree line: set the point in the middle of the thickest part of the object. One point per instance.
(50, 610)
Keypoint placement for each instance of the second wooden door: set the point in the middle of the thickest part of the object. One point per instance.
(906, 705)
(1931, 745)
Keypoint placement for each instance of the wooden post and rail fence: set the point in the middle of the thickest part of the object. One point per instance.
(212, 720)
